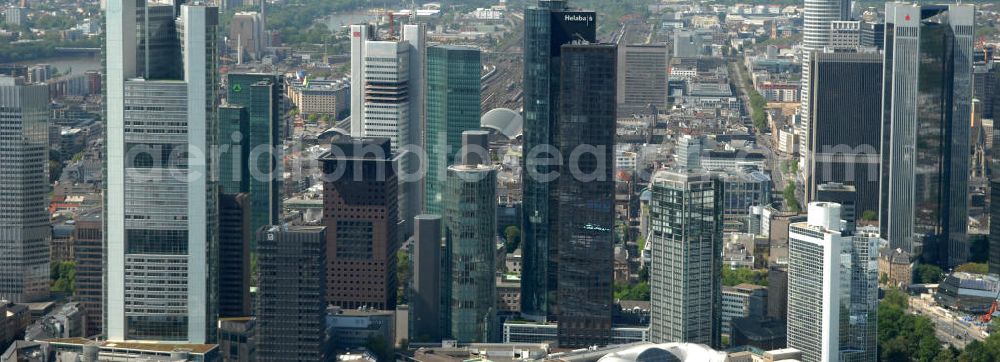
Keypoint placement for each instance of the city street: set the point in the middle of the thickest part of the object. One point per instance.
(947, 326)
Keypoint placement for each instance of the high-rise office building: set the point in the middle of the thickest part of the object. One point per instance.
(686, 237)
(246, 36)
(24, 219)
(844, 35)
(925, 147)
(642, 77)
(470, 221)
(743, 188)
(987, 86)
(89, 290)
(832, 288)
(873, 35)
(234, 255)
(844, 141)
(388, 86)
(584, 194)
(994, 237)
(548, 25)
(816, 30)
(253, 161)
(453, 106)
(291, 312)
(359, 212)
(162, 220)
(425, 293)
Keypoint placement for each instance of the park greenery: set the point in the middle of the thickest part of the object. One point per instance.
(736, 276)
(903, 336)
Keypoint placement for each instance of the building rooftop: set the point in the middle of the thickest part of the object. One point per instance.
(136, 346)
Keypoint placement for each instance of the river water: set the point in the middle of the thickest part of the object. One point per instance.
(75, 65)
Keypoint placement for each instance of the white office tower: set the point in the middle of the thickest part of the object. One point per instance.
(832, 288)
(816, 34)
(24, 200)
(387, 100)
(161, 199)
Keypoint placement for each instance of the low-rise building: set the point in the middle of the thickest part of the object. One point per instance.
(236, 339)
(354, 328)
(895, 267)
(744, 300)
(14, 320)
(968, 292)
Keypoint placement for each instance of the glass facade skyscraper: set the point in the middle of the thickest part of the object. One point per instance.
(469, 219)
(453, 106)
(253, 161)
(686, 239)
(927, 101)
(548, 25)
(584, 194)
(161, 200)
(24, 215)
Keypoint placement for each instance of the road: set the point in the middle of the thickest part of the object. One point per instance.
(947, 327)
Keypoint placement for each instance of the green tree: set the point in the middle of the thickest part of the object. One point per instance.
(736, 276)
(637, 291)
(927, 273)
(513, 238)
(869, 215)
(903, 336)
(403, 275)
(63, 275)
(790, 201)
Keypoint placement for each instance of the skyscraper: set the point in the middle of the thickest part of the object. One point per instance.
(686, 239)
(253, 159)
(90, 259)
(584, 193)
(234, 255)
(470, 220)
(548, 25)
(359, 212)
(290, 307)
(453, 106)
(161, 209)
(425, 296)
(817, 17)
(24, 216)
(925, 148)
(388, 85)
(642, 77)
(832, 288)
(844, 141)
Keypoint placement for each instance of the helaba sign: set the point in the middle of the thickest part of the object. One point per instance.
(580, 17)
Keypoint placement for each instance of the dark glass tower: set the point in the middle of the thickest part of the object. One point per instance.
(585, 194)
(845, 141)
(548, 26)
(258, 171)
(925, 153)
(290, 305)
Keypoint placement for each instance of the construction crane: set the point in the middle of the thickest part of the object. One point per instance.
(986, 318)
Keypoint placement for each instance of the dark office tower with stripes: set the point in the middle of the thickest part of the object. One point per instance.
(925, 149)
